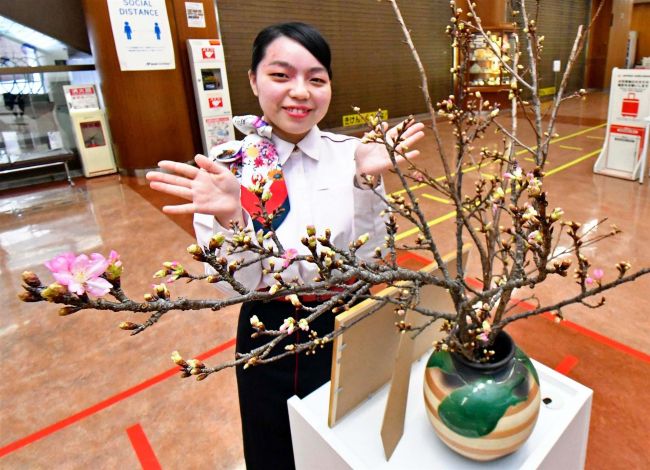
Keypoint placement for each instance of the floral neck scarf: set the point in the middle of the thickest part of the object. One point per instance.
(255, 162)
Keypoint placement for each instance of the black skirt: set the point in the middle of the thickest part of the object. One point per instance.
(265, 389)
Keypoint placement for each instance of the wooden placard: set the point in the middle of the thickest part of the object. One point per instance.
(364, 355)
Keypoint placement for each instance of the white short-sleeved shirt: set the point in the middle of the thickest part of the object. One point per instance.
(319, 173)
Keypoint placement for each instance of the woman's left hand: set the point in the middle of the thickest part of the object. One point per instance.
(372, 158)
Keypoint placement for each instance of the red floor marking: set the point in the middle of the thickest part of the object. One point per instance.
(142, 448)
(565, 366)
(580, 329)
(474, 282)
(64, 423)
(408, 254)
(607, 341)
(593, 335)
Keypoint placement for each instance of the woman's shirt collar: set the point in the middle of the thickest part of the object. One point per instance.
(309, 145)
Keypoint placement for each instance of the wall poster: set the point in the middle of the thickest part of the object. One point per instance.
(142, 35)
(195, 14)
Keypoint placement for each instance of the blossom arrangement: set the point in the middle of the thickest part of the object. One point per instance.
(505, 215)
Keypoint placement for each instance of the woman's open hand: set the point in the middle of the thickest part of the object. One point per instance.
(372, 158)
(211, 189)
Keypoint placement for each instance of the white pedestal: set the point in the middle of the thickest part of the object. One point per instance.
(559, 440)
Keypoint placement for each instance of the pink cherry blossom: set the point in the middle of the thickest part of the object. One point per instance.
(516, 174)
(597, 275)
(289, 325)
(288, 255)
(483, 337)
(114, 258)
(114, 269)
(81, 273)
(418, 176)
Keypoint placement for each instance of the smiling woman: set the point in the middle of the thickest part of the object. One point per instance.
(313, 179)
(293, 88)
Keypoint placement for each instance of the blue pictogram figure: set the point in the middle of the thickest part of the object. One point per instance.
(127, 30)
(156, 30)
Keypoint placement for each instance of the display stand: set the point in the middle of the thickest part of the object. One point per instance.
(559, 439)
(626, 142)
(210, 81)
(90, 130)
(484, 71)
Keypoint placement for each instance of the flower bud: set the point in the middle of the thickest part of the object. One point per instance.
(295, 301)
(161, 290)
(232, 267)
(113, 271)
(31, 279)
(216, 241)
(178, 359)
(556, 214)
(213, 278)
(194, 249)
(362, 240)
(28, 296)
(311, 230)
(127, 325)
(195, 364)
(149, 298)
(54, 292)
(201, 377)
(251, 362)
(67, 310)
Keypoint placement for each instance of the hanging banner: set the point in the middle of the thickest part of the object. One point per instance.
(628, 121)
(142, 35)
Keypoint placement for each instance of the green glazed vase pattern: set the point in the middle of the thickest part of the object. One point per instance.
(482, 411)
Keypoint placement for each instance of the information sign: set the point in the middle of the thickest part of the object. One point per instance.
(142, 35)
(80, 97)
(628, 121)
(195, 14)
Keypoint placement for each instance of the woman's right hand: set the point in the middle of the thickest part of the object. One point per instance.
(211, 188)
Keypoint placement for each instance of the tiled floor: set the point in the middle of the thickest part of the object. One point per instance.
(77, 392)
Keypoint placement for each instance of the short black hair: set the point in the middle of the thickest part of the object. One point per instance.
(305, 35)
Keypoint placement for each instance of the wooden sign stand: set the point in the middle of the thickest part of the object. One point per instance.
(370, 353)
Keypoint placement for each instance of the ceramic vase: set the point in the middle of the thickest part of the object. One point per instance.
(483, 410)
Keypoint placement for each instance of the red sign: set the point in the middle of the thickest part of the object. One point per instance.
(208, 53)
(215, 102)
(630, 130)
(86, 90)
(630, 106)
